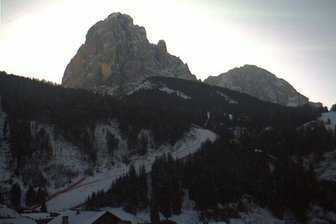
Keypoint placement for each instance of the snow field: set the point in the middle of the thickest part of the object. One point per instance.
(148, 85)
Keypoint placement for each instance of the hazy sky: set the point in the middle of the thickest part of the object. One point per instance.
(293, 39)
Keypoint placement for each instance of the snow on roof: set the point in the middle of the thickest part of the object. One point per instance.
(19, 220)
(36, 215)
(78, 217)
(7, 212)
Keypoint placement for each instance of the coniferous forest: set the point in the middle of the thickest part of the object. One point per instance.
(264, 162)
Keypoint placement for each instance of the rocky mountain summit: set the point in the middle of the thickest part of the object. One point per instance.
(117, 56)
(259, 83)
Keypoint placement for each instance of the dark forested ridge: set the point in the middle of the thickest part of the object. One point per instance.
(44, 101)
(220, 173)
(254, 153)
(72, 111)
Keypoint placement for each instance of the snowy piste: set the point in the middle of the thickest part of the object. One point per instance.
(77, 193)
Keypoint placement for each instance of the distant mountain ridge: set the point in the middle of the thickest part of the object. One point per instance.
(259, 83)
(117, 56)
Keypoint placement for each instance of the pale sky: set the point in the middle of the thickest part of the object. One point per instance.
(293, 39)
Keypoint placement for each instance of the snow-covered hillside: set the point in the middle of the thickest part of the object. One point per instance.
(326, 168)
(101, 180)
(70, 176)
(227, 98)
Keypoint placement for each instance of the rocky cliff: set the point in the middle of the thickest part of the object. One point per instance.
(117, 56)
(259, 83)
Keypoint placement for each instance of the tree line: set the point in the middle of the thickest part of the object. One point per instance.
(220, 173)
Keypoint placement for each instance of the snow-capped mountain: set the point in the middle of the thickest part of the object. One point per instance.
(259, 83)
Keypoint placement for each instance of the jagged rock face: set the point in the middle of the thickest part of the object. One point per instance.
(259, 83)
(117, 56)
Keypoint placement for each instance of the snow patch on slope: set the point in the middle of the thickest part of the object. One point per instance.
(293, 101)
(227, 98)
(174, 92)
(148, 85)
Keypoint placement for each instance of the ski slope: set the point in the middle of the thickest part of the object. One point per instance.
(77, 193)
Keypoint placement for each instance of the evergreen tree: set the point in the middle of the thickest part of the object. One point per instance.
(44, 207)
(5, 128)
(16, 195)
(132, 196)
(335, 136)
(88, 147)
(166, 187)
(30, 196)
(42, 145)
(142, 145)
(41, 195)
(142, 188)
(20, 141)
(91, 202)
(111, 143)
(154, 212)
(1, 196)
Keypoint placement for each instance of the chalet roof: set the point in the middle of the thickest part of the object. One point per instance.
(79, 217)
(19, 220)
(36, 215)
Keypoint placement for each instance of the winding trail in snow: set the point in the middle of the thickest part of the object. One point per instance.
(66, 189)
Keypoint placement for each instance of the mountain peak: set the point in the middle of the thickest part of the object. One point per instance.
(260, 83)
(251, 70)
(117, 56)
(119, 15)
